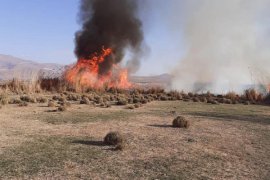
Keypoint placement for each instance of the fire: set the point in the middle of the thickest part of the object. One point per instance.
(85, 73)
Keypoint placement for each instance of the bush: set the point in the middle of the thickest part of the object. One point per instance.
(164, 98)
(65, 103)
(228, 101)
(4, 101)
(15, 101)
(25, 98)
(42, 100)
(85, 100)
(113, 138)
(122, 102)
(130, 107)
(246, 103)
(137, 105)
(51, 104)
(181, 122)
(62, 108)
(196, 99)
(203, 99)
(23, 104)
(231, 96)
(144, 101)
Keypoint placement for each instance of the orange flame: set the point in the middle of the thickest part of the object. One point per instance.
(85, 73)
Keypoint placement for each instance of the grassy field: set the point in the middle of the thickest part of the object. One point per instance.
(223, 142)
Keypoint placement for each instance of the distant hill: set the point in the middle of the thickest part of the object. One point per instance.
(162, 80)
(12, 67)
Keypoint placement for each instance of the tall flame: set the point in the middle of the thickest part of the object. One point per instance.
(86, 73)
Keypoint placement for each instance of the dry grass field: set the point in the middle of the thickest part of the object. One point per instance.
(223, 141)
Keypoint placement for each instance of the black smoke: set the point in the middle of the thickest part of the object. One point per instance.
(109, 24)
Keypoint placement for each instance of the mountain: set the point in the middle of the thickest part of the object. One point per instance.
(12, 67)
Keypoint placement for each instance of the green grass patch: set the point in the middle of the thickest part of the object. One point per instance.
(44, 154)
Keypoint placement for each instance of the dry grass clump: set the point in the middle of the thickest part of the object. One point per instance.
(246, 103)
(4, 99)
(62, 108)
(51, 104)
(180, 122)
(137, 105)
(228, 101)
(196, 99)
(23, 104)
(85, 100)
(174, 95)
(130, 107)
(144, 101)
(42, 100)
(251, 95)
(73, 97)
(232, 96)
(15, 101)
(113, 138)
(203, 99)
(65, 103)
(266, 99)
(164, 98)
(28, 99)
(122, 102)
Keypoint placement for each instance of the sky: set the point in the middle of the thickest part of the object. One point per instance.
(43, 31)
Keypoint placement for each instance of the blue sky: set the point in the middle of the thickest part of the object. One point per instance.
(43, 31)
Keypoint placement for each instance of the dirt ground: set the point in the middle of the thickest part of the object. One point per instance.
(223, 142)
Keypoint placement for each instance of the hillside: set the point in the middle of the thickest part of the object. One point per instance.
(12, 67)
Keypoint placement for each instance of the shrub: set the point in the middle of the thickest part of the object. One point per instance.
(137, 105)
(251, 95)
(190, 94)
(51, 104)
(144, 101)
(62, 108)
(231, 96)
(15, 101)
(130, 107)
(25, 98)
(122, 102)
(42, 100)
(203, 99)
(164, 98)
(136, 100)
(23, 104)
(4, 101)
(228, 101)
(196, 99)
(85, 100)
(181, 122)
(113, 138)
(246, 103)
(65, 103)
(108, 105)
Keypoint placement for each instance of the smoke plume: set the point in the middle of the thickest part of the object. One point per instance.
(109, 24)
(227, 46)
